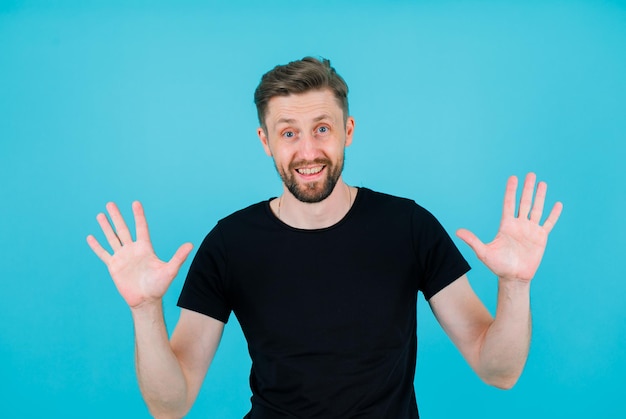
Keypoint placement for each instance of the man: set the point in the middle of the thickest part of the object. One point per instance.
(324, 278)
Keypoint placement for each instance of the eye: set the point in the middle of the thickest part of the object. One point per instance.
(323, 129)
(289, 134)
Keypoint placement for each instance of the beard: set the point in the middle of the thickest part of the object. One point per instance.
(312, 192)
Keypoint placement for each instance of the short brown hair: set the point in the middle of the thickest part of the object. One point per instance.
(299, 77)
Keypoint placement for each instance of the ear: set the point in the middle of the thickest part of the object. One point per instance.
(349, 130)
(264, 141)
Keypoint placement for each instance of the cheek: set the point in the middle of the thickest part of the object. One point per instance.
(281, 159)
(338, 150)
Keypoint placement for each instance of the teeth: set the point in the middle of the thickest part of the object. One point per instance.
(310, 171)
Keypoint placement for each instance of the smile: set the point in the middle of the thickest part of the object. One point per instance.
(310, 170)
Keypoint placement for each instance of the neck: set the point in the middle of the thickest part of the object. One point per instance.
(321, 214)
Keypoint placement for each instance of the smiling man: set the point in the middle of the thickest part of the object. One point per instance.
(324, 278)
(306, 135)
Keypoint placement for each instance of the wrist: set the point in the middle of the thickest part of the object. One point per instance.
(513, 286)
(514, 282)
(147, 309)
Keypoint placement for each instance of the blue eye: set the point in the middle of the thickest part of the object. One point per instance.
(289, 134)
(323, 130)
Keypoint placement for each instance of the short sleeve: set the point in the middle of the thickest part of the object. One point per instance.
(205, 288)
(440, 260)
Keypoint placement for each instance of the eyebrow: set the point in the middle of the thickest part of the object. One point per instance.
(291, 120)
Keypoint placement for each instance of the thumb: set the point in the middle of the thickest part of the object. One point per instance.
(180, 256)
(471, 240)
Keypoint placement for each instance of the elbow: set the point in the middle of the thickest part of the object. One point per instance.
(501, 374)
(502, 382)
(160, 414)
(167, 409)
(503, 385)
(167, 401)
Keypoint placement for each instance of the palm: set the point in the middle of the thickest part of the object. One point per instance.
(139, 275)
(518, 247)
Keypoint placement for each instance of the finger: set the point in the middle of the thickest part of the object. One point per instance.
(141, 224)
(180, 256)
(98, 249)
(527, 195)
(120, 225)
(540, 197)
(553, 217)
(112, 238)
(508, 209)
(472, 241)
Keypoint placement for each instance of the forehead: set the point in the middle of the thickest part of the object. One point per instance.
(303, 106)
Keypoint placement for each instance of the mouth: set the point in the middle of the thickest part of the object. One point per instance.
(310, 171)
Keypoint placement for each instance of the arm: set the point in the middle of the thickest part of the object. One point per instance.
(169, 373)
(497, 349)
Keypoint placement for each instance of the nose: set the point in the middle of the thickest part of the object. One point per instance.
(308, 146)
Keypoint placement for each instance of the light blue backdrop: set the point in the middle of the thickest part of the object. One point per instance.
(153, 101)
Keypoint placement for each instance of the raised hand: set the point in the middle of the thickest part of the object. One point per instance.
(518, 247)
(139, 275)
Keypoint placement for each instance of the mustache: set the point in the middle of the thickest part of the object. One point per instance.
(319, 161)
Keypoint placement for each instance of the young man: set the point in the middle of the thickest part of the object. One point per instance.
(324, 279)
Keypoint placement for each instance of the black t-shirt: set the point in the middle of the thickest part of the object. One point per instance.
(329, 314)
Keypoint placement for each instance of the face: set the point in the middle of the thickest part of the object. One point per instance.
(306, 136)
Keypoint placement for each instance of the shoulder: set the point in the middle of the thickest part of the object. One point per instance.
(238, 224)
(394, 212)
(255, 213)
(387, 202)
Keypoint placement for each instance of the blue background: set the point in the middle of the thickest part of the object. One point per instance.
(153, 101)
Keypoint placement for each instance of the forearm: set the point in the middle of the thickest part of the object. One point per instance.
(159, 373)
(505, 345)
